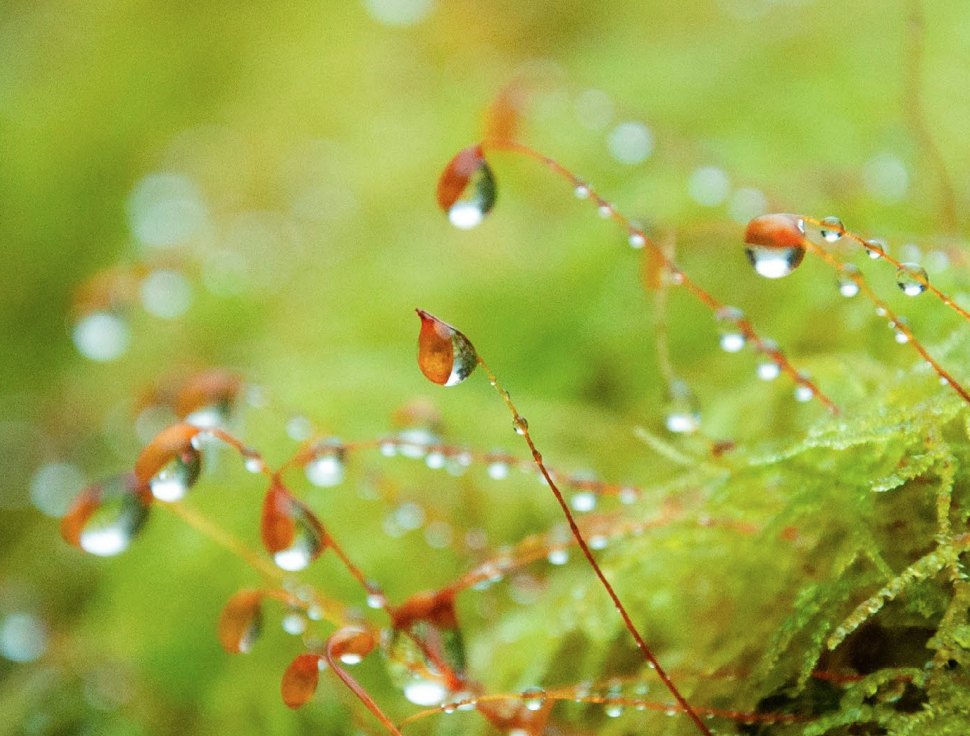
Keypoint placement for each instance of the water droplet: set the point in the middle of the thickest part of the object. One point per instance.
(732, 337)
(326, 469)
(520, 424)
(445, 356)
(804, 393)
(614, 710)
(466, 189)
(173, 481)
(876, 248)
(637, 240)
(912, 279)
(435, 460)
(558, 557)
(581, 191)
(252, 461)
(498, 470)
(775, 244)
(832, 229)
(376, 599)
(682, 411)
(767, 370)
(534, 698)
(604, 210)
(101, 336)
(299, 428)
(294, 623)
(709, 186)
(425, 692)
(291, 532)
(23, 637)
(847, 280)
(583, 501)
(628, 495)
(899, 328)
(599, 541)
(106, 516)
(630, 142)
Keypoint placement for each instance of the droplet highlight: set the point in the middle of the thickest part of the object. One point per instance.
(775, 244)
(912, 279)
(105, 517)
(467, 189)
(445, 356)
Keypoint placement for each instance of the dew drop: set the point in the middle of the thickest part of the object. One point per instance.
(376, 599)
(899, 330)
(876, 248)
(832, 229)
(466, 189)
(435, 460)
(534, 698)
(106, 517)
(23, 637)
(599, 541)
(252, 461)
(628, 496)
(520, 424)
(767, 370)
(604, 211)
(445, 356)
(583, 501)
(425, 692)
(682, 411)
(498, 470)
(581, 191)
(912, 279)
(558, 557)
(173, 481)
(101, 336)
(294, 623)
(637, 240)
(326, 469)
(848, 286)
(732, 338)
(775, 244)
(241, 622)
(614, 710)
(804, 393)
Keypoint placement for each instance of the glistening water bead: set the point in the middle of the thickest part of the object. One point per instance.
(732, 337)
(466, 189)
(832, 229)
(912, 279)
(775, 244)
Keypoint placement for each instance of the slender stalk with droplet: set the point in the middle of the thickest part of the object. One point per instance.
(639, 239)
(522, 428)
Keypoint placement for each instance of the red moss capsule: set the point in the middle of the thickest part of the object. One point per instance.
(300, 680)
(170, 464)
(445, 356)
(291, 533)
(466, 188)
(241, 621)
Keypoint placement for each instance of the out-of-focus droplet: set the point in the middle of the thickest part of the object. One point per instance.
(534, 698)
(326, 468)
(709, 186)
(682, 409)
(775, 244)
(804, 393)
(558, 556)
(101, 336)
(497, 469)
(445, 356)
(583, 501)
(832, 229)
(166, 294)
(848, 280)
(912, 279)
(294, 622)
(166, 209)
(106, 517)
(291, 532)
(732, 337)
(241, 621)
(300, 680)
(466, 189)
(170, 464)
(53, 486)
(900, 330)
(630, 143)
(23, 637)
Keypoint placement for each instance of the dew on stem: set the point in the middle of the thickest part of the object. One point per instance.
(912, 279)
(775, 244)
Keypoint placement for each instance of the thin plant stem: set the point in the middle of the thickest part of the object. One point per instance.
(645, 650)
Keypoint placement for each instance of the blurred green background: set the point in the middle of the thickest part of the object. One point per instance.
(277, 162)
